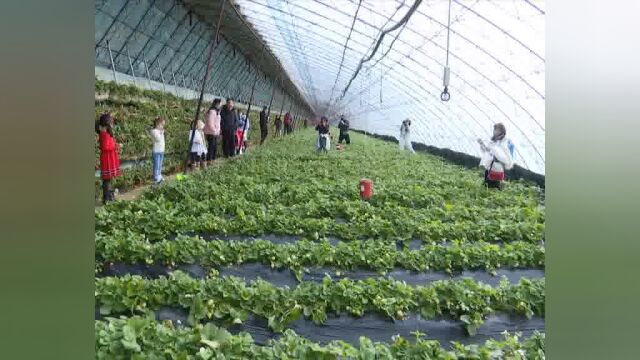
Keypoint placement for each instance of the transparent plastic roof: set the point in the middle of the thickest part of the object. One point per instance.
(496, 57)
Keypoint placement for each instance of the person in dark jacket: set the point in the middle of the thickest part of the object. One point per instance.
(343, 125)
(287, 123)
(278, 125)
(324, 135)
(264, 122)
(228, 125)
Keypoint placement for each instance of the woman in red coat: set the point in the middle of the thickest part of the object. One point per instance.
(109, 161)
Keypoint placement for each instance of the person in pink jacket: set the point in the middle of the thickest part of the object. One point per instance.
(212, 129)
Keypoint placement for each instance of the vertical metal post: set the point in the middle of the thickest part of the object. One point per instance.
(192, 85)
(113, 67)
(175, 84)
(161, 76)
(131, 66)
(144, 60)
(284, 97)
(255, 81)
(273, 92)
(204, 81)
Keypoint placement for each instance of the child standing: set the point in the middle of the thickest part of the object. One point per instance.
(241, 132)
(109, 160)
(244, 126)
(198, 149)
(157, 136)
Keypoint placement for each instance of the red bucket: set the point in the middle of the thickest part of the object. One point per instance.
(366, 189)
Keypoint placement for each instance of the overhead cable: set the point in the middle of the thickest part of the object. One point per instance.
(344, 49)
(402, 21)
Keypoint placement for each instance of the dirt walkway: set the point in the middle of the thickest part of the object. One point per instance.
(135, 193)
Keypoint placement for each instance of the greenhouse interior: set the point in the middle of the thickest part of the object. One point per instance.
(319, 179)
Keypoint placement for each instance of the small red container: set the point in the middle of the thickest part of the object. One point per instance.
(366, 189)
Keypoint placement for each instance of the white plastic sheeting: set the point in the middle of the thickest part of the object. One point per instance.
(497, 61)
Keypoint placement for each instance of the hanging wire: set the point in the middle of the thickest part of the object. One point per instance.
(445, 96)
(410, 53)
(402, 21)
(344, 50)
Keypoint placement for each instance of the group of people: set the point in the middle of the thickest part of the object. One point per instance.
(232, 126)
(497, 155)
(221, 122)
(323, 143)
(278, 124)
(225, 123)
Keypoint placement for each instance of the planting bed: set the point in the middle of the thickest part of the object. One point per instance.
(277, 248)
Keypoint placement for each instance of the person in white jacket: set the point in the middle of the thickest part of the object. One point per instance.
(157, 136)
(405, 136)
(496, 157)
(199, 148)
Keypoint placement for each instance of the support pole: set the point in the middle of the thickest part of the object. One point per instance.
(144, 60)
(161, 77)
(273, 92)
(113, 67)
(131, 66)
(204, 81)
(175, 84)
(255, 81)
(284, 97)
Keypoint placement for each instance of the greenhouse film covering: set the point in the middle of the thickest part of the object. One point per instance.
(494, 49)
(496, 60)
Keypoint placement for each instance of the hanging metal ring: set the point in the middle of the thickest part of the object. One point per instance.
(445, 96)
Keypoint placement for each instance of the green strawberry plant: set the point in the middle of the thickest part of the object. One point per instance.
(232, 300)
(144, 338)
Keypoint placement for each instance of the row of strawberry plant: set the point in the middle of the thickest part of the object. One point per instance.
(230, 299)
(143, 338)
(380, 256)
(271, 193)
(224, 214)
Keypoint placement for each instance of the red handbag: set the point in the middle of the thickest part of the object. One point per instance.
(495, 175)
(491, 175)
